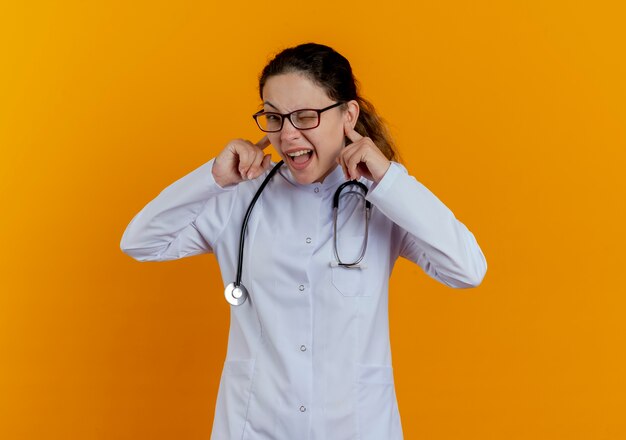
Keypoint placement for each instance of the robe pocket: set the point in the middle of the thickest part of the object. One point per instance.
(376, 402)
(350, 281)
(233, 398)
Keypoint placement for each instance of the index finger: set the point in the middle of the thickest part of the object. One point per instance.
(263, 143)
(351, 133)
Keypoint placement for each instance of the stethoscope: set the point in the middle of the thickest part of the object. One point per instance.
(236, 293)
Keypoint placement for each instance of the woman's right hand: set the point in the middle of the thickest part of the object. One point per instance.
(241, 160)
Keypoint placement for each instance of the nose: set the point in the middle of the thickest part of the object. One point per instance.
(289, 131)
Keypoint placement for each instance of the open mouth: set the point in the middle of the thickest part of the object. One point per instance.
(300, 159)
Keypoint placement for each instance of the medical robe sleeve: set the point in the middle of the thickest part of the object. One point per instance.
(165, 228)
(428, 231)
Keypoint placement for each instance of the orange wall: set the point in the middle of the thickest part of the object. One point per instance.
(512, 113)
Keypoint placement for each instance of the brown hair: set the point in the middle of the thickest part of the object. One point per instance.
(332, 71)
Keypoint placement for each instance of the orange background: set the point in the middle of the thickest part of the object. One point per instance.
(512, 113)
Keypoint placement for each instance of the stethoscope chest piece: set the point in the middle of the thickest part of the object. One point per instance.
(236, 295)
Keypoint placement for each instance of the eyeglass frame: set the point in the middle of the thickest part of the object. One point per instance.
(284, 116)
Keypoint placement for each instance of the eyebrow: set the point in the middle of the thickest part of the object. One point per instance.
(269, 103)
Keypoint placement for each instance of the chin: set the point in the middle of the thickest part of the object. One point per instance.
(311, 174)
(306, 179)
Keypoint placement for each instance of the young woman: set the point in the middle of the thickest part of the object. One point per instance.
(308, 351)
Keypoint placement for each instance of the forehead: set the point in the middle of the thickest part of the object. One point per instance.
(291, 91)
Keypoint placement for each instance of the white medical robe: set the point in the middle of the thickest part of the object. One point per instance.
(308, 353)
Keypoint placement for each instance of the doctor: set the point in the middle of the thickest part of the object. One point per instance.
(308, 351)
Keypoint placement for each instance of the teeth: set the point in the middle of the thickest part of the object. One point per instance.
(299, 153)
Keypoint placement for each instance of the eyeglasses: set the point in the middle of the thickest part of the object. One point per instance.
(303, 119)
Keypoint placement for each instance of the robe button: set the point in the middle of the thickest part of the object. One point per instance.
(301, 287)
(316, 190)
(302, 409)
(302, 348)
(308, 239)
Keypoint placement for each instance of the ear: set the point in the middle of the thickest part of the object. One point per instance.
(351, 114)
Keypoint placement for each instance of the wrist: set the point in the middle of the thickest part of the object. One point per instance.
(382, 173)
(221, 180)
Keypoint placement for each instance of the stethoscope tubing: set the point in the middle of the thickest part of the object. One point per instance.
(236, 293)
(361, 185)
(247, 216)
(368, 207)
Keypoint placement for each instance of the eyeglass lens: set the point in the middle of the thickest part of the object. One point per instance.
(302, 119)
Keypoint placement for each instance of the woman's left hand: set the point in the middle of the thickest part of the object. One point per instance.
(362, 157)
